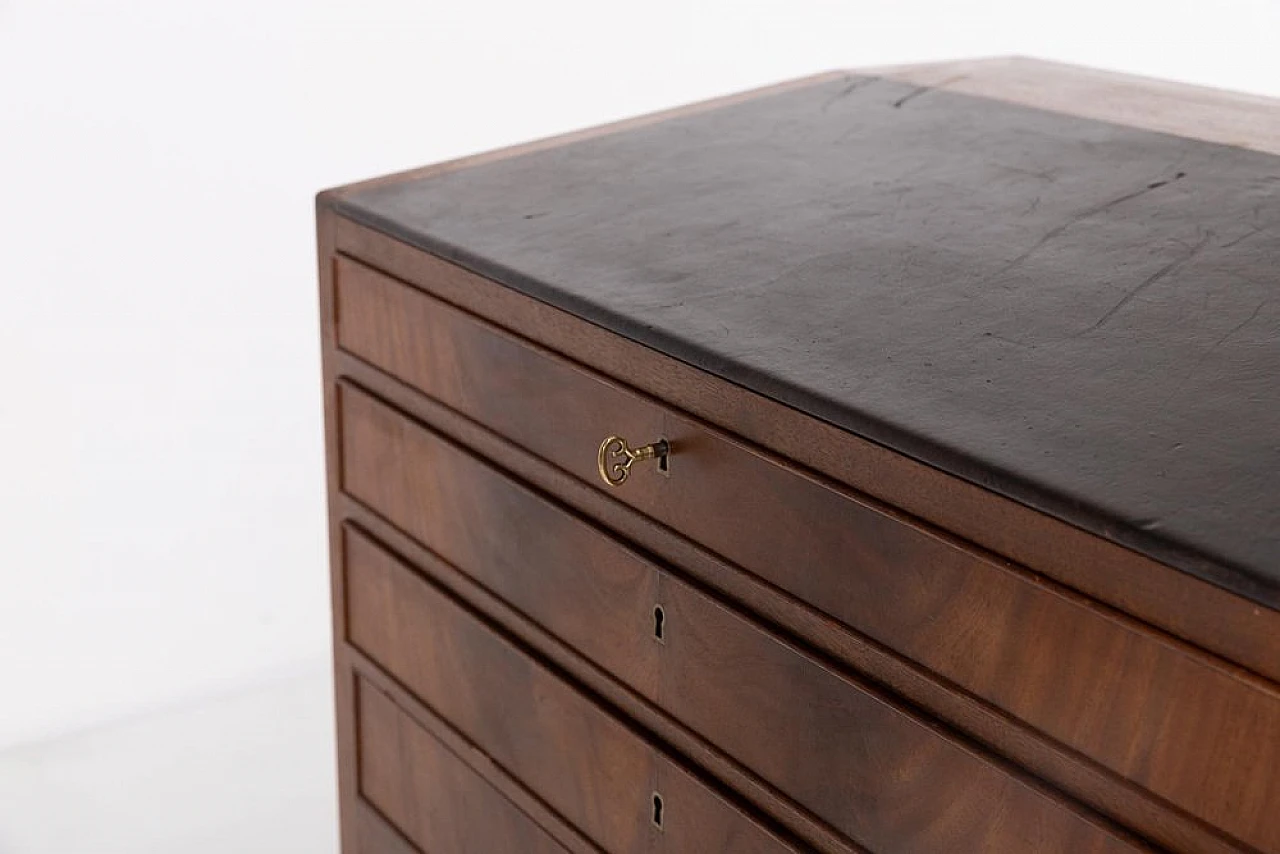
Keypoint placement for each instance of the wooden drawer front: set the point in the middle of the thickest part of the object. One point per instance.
(582, 761)
(1189, 728)
(866, 767)
(375, 836)
(431, 795)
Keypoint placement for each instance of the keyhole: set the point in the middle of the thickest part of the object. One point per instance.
(659, 621)
(657, 810)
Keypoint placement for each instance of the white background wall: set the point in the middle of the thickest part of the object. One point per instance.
(161, 506)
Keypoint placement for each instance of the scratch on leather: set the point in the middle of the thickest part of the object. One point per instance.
(854, 86)
(920, 90)
(1164, 271)
(1057, 231)
(1207, 353)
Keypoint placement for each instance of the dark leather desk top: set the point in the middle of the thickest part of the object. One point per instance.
(1077, 315)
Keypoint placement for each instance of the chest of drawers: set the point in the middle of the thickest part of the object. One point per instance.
(877, 462)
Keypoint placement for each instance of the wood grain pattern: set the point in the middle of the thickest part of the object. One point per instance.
(1061, 767)
(1208, 616)
(1037, 651)
(374, 835)
(439, 803)
(468, 513)
(585, 763)
(366, 672)
(836, 746)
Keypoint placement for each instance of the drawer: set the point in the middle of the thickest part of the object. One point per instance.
(373, 835)
(1191, 726)
(434, 798)
(886, 779)
(586, 764)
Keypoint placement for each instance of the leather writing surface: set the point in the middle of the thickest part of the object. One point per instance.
(1075, 314)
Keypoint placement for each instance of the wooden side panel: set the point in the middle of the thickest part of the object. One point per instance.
(584, 763)
(344, 700)
(864, 766)
(438, 802)
(1159, 713)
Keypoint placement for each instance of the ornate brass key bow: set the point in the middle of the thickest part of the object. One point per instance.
(616, 458)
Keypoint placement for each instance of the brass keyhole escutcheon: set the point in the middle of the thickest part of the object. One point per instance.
(616, 458)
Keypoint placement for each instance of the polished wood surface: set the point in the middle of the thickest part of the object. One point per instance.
(569, 578)
(1061, 768)
(698, 661)
(365, 672)
(375, 835)
(1036, 651)
(442, 805)
(990, 641)
(585, 763)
